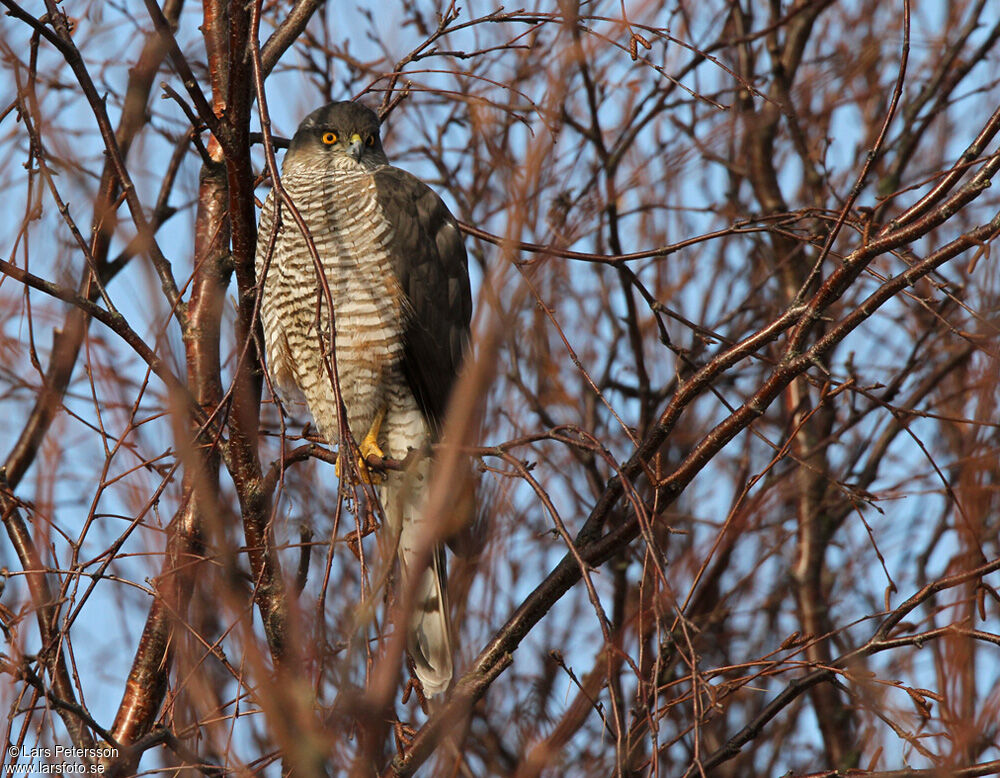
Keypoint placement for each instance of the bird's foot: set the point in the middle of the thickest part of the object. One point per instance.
(368, 447)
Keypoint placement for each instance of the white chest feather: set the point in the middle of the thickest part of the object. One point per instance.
(351, 236)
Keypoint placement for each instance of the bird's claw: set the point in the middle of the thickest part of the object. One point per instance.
(368, 447)
(365, 474)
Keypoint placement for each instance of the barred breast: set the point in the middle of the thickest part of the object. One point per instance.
(351, 235)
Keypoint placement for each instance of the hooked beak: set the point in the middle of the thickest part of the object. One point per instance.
(356, 146)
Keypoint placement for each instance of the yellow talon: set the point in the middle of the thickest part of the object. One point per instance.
(368, 447)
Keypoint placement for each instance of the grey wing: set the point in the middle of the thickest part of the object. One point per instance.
(430, 263)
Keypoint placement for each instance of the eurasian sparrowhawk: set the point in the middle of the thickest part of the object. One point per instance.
(398, 279)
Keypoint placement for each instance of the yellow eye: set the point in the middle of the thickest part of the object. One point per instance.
(370, 140)
(329, 138)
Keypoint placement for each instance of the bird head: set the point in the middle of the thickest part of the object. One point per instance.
(338, 132)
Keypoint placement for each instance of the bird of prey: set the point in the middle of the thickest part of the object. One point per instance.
(397, 277)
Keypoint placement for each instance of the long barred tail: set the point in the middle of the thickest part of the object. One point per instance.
(429, 638)
(429, 632)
